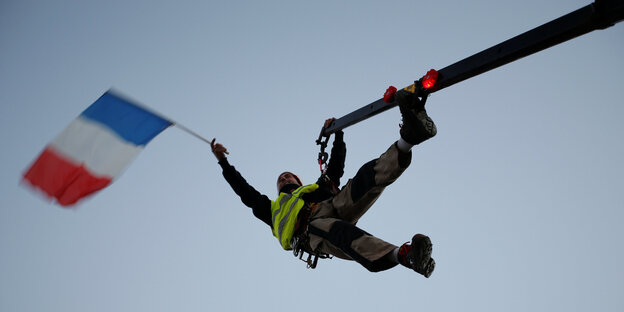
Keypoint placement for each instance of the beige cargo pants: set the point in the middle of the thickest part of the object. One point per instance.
(333, 227)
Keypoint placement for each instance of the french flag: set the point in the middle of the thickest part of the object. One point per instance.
(94, 149)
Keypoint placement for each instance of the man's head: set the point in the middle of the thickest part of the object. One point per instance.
(287, 178)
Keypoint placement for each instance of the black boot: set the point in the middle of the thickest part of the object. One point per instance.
(417, 256)
(417, 125)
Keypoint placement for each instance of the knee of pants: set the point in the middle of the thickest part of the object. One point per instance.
(363, 181)
(342, 234)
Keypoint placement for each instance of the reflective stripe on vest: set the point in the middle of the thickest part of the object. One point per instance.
(284, 211)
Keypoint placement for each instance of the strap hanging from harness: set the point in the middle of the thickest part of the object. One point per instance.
(323, 156)
(300, 243)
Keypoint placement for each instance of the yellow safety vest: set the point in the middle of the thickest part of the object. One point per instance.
(284, 211)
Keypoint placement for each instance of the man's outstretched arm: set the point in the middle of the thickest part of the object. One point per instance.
(260, 204)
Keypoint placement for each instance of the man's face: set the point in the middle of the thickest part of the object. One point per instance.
(286, 178)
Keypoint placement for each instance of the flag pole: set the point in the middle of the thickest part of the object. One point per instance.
(191, 132)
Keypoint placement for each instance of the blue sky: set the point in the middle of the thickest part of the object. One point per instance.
(520, 191)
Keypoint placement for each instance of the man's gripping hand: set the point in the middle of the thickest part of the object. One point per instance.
(218, 150)
(328, 122)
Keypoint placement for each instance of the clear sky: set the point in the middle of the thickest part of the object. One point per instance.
(520, 191)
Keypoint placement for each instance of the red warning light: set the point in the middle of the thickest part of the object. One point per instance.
(429, 79)
(389, 95)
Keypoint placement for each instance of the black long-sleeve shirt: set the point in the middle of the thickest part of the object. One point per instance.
(261, 204)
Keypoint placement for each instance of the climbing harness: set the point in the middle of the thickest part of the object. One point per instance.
(300, 243)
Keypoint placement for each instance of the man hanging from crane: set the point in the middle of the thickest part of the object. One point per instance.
(321, 220)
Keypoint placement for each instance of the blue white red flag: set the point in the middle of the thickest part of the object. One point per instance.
(94, 149)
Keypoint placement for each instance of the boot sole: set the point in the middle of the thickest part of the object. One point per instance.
(422, 248)
(430, 267)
